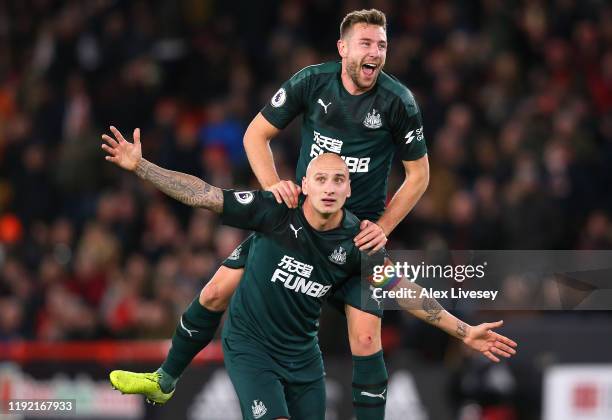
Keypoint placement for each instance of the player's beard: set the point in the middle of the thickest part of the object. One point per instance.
(353, 69)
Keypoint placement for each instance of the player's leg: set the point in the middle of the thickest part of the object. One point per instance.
(258, 386)
(198, 324)
(369, 371)
(307, 401)
(195, 329)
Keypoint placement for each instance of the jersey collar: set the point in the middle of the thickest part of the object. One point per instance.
(303, 219)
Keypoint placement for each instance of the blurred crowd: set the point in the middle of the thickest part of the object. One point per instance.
(516, 99)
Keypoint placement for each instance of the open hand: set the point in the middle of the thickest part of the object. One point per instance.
(121, 152)
(482, 338)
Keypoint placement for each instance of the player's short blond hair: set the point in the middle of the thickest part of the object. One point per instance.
(370, 17)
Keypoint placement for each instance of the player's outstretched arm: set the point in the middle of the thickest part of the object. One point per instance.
(481, 337)
(185, 188)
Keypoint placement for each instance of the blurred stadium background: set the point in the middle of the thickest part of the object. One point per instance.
(96, 267)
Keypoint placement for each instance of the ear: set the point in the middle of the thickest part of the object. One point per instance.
(349, 189)
(304, 186)
(341, 44)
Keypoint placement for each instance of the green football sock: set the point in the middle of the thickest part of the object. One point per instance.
(195, 330)
(167, 382)
(369, 386)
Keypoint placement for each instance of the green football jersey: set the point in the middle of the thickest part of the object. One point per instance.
(366, 130)
(291, 269)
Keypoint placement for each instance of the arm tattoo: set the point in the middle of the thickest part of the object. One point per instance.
(433, 309)
(461, 329)
(185, 188)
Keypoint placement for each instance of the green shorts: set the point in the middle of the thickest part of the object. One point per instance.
(357, 292)
(267, 390)
(354, 293)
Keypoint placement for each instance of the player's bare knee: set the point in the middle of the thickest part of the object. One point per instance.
(364, 344)
(212, 299)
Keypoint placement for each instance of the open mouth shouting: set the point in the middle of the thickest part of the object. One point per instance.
(369, 69)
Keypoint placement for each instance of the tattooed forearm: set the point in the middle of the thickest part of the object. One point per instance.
(461, 329)
(433, 309)
(185, 188)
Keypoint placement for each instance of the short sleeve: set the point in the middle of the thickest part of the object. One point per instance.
(288, 101)
(407, 130)
(253, 210)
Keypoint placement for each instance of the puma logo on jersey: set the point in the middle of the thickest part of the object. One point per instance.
(295, 230)
(320, 102)
(381, 395)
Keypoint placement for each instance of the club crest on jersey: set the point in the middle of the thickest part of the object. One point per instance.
(279, 98)
(372, 119)
(338, 256)
(244, 197)
(258, 408)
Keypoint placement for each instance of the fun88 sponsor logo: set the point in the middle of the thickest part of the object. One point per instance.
(294, 274)
(322, 144)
